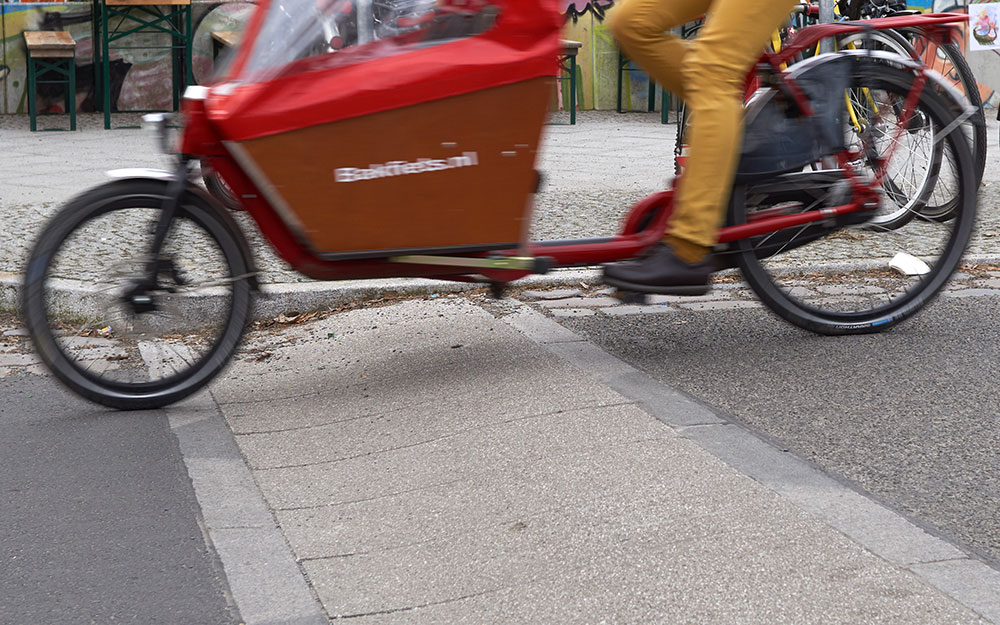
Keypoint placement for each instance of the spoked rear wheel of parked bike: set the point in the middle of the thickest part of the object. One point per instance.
(937, 201)
(855, 276)
(136, 352)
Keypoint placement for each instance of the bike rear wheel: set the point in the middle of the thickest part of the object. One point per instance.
(854, 276)
(217, 186)
(122, 350)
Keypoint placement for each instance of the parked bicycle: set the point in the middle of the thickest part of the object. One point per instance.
(414, 156)
(919, 186)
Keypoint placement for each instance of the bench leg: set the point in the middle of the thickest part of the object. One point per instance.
(175, 59)
(572, 90)
(189, 46)
(71, 94)
(620, 70)
(105, 66)
(31, 93)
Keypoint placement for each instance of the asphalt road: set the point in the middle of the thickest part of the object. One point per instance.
(910, 416)
(98, 519)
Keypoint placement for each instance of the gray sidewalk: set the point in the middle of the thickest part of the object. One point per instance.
(456, 461)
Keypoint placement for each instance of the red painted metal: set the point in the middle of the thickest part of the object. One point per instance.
(808, 37)
(773, 224)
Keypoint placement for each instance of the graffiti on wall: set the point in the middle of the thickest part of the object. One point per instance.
(18, 18)
(575, 9)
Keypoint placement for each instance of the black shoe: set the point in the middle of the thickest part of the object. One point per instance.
(660, 271)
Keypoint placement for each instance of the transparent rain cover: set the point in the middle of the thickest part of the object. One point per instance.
(359, 30)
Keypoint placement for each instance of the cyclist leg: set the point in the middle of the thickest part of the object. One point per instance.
(712, 76)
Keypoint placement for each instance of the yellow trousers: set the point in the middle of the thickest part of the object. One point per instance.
(709, 74)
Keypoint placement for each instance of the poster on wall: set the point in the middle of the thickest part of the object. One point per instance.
(983, 20)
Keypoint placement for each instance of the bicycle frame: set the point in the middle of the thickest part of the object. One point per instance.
(200, 139)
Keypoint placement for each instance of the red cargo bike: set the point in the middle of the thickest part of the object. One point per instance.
(373, 139)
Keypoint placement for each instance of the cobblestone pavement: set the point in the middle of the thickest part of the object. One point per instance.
(96, 354)
(594, 171)
(16, 354)
(584, 300)
(728, 293)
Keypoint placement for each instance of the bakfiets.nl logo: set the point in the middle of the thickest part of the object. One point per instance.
(405, 168)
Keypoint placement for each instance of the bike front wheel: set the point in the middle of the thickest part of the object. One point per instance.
(855, 276)
(122, 350)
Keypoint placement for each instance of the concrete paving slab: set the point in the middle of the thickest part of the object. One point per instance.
(573, 312)
(882, 531)
(409, 469)
(973, 583)
(413, 359)
(620, 573)
(722, 305)
(552, 294)
(267, 584)
(262, 574)
(972, 293)
(586, 482)
(538, 517)
(403, 429)
(579, 302)
(625, 591)
(656, 309)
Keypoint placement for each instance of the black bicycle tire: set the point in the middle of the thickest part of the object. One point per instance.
(896, 311)
(138, 193)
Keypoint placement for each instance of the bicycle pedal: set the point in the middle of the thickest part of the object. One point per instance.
(632, 297)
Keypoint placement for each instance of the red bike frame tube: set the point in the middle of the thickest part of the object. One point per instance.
(808, 37)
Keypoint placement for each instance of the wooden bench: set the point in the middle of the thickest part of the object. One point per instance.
(51, 53)
(222, 39)
(128, 27)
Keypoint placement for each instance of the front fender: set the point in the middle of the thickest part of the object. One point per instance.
(139, 172)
